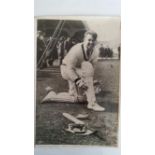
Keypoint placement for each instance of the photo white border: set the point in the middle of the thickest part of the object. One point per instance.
(45, 11)
(77, 7)
(137, 77)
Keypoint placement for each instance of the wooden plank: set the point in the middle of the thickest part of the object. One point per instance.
(73, 119)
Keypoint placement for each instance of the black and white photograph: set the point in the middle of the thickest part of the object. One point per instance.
(77, 80)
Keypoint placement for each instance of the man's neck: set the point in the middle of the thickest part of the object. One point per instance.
(85, 47)
(87, 51)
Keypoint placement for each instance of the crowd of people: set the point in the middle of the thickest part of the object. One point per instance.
(60, 49)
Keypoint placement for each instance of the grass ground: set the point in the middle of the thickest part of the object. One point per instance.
(50, 123)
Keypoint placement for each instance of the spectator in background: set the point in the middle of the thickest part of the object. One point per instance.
(119, 52)
(40, 44)
(105, 52)
(61, 49)
(67, 45)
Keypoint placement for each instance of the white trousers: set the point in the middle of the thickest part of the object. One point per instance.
(86, 73)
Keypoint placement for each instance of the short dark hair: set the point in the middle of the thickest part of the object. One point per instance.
(94, 34)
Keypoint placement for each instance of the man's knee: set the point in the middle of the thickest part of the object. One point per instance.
(87, 69)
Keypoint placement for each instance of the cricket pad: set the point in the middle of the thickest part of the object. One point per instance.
(63, 97)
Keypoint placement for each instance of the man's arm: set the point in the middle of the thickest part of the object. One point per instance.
(70, 61)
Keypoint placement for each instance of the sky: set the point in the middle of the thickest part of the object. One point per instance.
(108, 29)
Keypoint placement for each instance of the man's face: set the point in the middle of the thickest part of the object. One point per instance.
(89, 41)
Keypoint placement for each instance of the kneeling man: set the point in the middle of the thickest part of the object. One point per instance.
(77, 68)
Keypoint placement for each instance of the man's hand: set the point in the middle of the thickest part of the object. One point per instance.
(80, 83)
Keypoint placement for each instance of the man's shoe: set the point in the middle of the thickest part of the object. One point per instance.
(95, 107)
